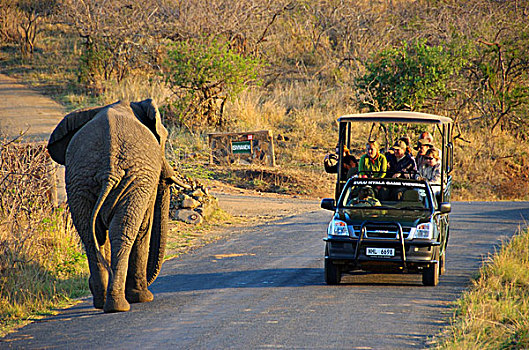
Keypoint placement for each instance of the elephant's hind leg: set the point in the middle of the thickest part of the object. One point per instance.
(80, 209)
(136, 286)
(122, 232)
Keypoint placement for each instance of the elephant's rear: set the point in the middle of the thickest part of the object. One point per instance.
(113, 145)
(114, 163)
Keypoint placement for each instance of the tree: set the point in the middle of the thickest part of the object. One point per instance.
(20, 22)
(408, 77)
(499, 76)
(203, 74)
(119, 37)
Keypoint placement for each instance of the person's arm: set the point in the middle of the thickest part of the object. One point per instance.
(421, 173)
(362, 165)
(383, 166)
(436, 175)
(330, 168)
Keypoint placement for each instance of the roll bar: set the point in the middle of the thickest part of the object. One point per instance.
(444, 126)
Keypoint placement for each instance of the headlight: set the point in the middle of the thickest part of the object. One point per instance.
(338, 228)
(424, 231)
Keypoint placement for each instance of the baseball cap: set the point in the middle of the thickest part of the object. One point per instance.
(399, 145)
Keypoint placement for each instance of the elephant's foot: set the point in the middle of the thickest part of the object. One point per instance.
(99, 297)
(99, 302)
(139, 296)
(116, 304)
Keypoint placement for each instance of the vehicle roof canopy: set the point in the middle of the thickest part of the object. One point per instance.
(404, 117)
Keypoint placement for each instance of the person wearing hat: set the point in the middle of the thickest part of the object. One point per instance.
(423, 145)
(372, 164)
(401, 163)
(430, 170)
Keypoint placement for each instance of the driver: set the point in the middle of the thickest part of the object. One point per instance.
(366, 198)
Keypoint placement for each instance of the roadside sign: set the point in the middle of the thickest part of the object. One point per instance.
(238, 147)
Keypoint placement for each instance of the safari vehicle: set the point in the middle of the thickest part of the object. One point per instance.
(389, 225)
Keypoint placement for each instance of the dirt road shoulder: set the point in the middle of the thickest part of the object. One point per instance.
(23, 109)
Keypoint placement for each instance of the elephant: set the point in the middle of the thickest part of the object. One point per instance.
(118, 191)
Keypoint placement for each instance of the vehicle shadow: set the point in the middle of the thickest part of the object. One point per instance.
(265, 278)
(272, 278)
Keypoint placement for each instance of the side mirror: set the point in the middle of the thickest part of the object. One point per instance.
(445, 208)
(328, 203)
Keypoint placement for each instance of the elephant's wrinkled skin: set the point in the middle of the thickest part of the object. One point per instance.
(117, 182)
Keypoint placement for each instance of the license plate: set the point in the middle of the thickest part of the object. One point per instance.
(385, 252)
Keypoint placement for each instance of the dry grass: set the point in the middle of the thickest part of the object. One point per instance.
(42, 264)
(487, 166)
(494, 313)
(491, 167)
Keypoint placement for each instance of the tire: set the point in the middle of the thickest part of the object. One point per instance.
(332, 272)
(430, 276)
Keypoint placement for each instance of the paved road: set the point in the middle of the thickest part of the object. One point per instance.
(263, 288)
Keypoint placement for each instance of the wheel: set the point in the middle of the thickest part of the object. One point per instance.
(430, 276)
(332, 272)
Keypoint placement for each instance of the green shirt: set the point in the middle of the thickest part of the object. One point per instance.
(373, 167)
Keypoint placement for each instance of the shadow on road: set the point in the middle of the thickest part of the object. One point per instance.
(274, 278)
(265, 278)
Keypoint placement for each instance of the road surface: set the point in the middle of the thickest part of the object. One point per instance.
(262, 288)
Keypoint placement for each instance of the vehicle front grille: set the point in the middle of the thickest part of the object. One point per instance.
(382, 231)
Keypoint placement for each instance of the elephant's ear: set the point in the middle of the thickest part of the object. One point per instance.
(147, 112)
(64, 131)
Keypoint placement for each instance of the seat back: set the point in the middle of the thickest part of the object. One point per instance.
(410, 198)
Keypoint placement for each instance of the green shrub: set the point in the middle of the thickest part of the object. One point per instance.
(407, 77)
(203, 74)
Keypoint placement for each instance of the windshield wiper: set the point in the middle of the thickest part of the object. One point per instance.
(378, 207)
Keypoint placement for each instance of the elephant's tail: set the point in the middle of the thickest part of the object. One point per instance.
(108, 184)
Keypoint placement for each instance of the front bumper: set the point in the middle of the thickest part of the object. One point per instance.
(410, 255)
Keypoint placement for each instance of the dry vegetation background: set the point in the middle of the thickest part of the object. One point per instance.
(292, 67)
(289, 66)
(42, 263)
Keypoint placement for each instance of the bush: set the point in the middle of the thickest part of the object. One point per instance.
(410, 77)
(203, 75)
(41, 259)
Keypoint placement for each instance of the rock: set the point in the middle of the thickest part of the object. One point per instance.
(189, 216)
(198, 193)
(190, 203)
(207, 209)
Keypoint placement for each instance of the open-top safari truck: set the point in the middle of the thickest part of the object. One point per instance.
(407, 230)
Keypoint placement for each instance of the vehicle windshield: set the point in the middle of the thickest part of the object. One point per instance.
(386, 193)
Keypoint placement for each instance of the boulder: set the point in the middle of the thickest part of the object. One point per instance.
(189, 216)
(190, 203)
